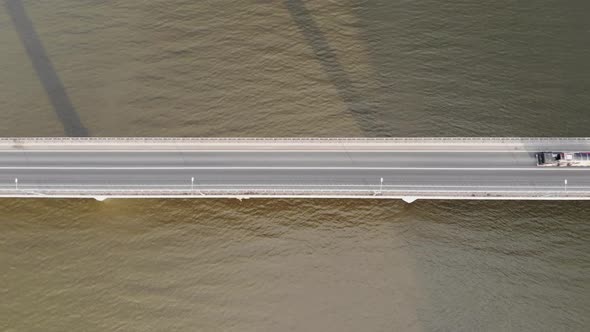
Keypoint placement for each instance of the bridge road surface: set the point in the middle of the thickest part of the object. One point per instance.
(309, 170)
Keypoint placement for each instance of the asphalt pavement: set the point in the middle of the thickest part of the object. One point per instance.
(387, 170)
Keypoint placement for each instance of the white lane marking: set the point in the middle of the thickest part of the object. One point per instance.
(286, 186)
(273, 151)
(298, 168)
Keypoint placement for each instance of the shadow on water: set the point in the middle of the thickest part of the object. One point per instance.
(44, 69)
(336, 73)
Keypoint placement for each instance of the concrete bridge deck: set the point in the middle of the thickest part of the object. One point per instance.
(411, 168)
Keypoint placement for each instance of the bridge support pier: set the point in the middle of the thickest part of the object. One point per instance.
(409, 199)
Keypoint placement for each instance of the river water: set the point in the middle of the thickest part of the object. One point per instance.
(294, 68)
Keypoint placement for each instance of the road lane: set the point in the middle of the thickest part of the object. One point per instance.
(20, 159)
(434, 178)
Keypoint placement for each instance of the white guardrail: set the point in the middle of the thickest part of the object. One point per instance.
(285, 140)
(295, 190)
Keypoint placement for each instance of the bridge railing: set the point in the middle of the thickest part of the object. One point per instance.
(284, 140)
(296, 190)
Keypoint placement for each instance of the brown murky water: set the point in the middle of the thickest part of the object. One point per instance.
(294, 68)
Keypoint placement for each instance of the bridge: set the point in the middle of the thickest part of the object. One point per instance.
(376, 168)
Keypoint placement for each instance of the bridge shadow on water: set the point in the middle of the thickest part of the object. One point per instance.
(356, 103)
(44, 69)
